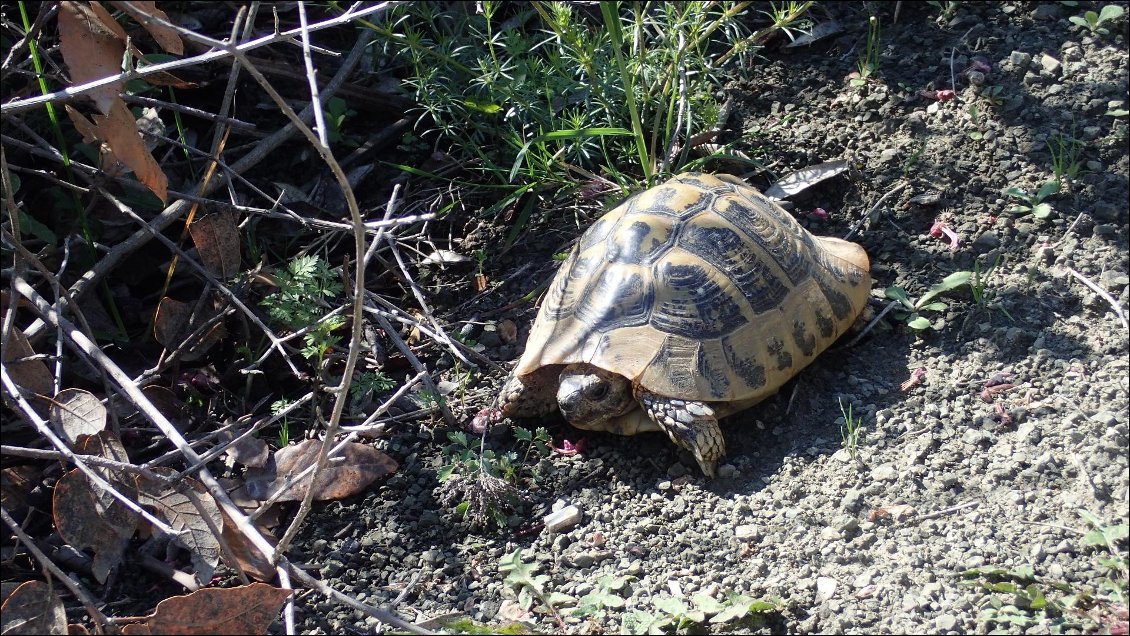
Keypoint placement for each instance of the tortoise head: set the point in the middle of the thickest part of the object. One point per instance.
(590, 397)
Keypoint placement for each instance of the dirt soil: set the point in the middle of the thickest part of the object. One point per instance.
(1017, 429)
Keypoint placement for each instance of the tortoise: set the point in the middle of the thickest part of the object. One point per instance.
(687, 302)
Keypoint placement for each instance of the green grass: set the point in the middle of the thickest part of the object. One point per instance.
(533, 95)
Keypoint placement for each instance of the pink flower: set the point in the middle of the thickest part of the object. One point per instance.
(818, 213)
(941, 96)
(569, 448)
(939, 228)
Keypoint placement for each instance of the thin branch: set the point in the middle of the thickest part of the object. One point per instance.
(19, 106)
(101, 621)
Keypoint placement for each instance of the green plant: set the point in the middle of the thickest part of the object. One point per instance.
(1094, 22)
(528, 94)
(484, 481)
(320, 339)
(529, 586)
(606, 595)
(948, 9)
(303, 288)
(850, 429)
(1034, 203)
(1066, 152)
(370, 382)
(1107, 538)
(911, 312)
(1022, 598)
(913, 158)
(994, 94)
(337, 110)
(277, 407)
(983, 295)
(674, 613)
(868, 64)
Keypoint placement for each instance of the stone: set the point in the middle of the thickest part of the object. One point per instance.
(885, 472)
(563, 519)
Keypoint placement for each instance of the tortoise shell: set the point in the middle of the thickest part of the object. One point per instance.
(700, 288)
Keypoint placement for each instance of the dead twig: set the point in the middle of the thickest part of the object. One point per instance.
(101, 621)
(1105, 294)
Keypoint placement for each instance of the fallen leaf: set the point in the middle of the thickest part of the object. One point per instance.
(250, 559)
(804, 178)
(817, 32)
(250, 451)
(248, 609)
(217, 240)
(439, 257)
(118, 129)
(507, 331)
(33, 608)
(898, 512)
(167, 402)
(76, 412)
(87, 517)
(186, 506)
(173, 324)
(32, 375)
(16, 484)
(355, 467)
(166, 38)
(92, 47)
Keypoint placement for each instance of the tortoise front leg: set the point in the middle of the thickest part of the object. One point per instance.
(691, 425)
(532, 396)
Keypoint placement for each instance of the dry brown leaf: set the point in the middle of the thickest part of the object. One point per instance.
(87, 517)
(76, 412)
(171, 326)
(33, 608)
(92, 47)
(898, 512)
(248, 609)
(118, 129)
(251, 560)
(171, 322)
(166, 38)
(185, 506)
(168, 404)
(77, 629)
(16, 484)
(217, 240)
(32, 375)
(507, 331)
(84, 126)
(799, 180)
(250, 451)
(357, 467)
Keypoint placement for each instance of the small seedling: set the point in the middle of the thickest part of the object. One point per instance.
(277, 407)
(530, 586)
(911, 312)
(868, 64)
(676, 614)
(948, 9)
(304, 287)
(483, 481)
(608, 594)
(1094, 22)
(1067, 152)
(850, 429)
(979, 284)
(1034, 203)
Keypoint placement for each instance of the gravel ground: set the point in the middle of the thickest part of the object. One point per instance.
(943, 480)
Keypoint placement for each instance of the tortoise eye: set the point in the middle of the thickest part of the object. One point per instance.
(600, 391)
